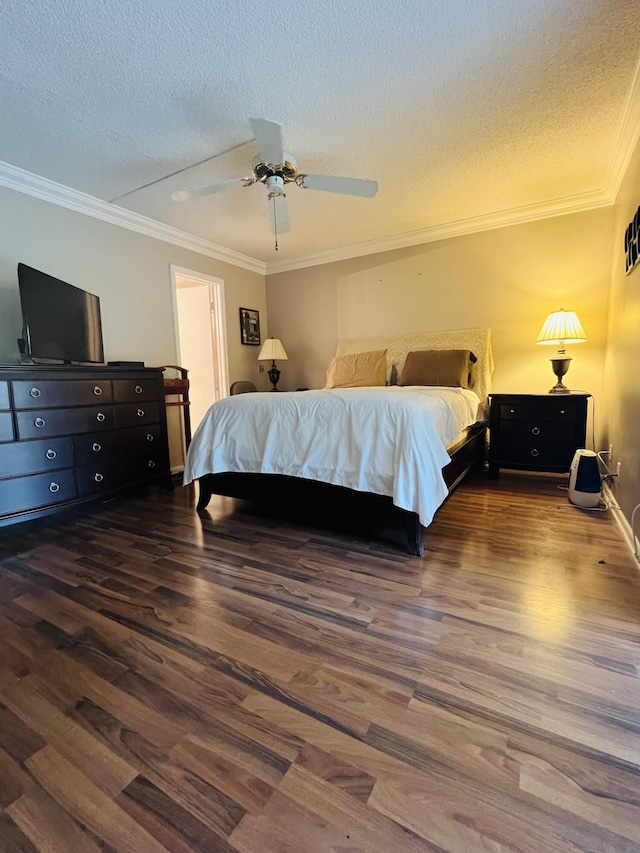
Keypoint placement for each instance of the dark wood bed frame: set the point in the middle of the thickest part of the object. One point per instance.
(292, 494)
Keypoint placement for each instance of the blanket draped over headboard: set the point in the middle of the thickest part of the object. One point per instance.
(397, 346)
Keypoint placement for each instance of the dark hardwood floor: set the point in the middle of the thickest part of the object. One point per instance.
(241, 684)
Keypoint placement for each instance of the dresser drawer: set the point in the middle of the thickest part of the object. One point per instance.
(30, 457)
(64, 421)
(109, 445)
(38, 490)
(553, 411)
(4, 395)
(130, 390)
(97, 478)
(48, 393)
(132, 414)
(6, 426)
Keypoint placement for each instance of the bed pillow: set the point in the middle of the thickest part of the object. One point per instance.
(357, 369)
(449, 367)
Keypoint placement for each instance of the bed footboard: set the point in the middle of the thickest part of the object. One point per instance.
(321, 501)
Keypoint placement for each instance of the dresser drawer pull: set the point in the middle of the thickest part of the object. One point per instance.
(51, 454)
(35, 392)
(54, 487)
(152, 464)
(535, 452)
(39, 422)
(149, 437)
(535, 431)
(100, 417)
(97, 390)
(562, 411)
(138, 389)
(96, 447)
(140, 413)
(98, 478)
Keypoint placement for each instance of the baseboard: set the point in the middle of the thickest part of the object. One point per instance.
(621, 521)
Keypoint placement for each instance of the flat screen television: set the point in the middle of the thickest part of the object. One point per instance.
(60, 321)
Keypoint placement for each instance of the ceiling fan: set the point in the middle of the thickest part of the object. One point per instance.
(275, 169)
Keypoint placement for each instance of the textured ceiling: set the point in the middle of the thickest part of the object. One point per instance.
(458, 108)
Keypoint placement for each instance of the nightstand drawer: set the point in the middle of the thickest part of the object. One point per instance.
(536, 431)
(533, 412)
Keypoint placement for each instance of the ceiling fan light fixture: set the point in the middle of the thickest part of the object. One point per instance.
(275, 185)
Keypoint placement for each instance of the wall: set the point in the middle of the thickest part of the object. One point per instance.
(623, 350)
(508, 279)
(127, 270)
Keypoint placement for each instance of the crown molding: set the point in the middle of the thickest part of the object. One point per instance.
(461, 227)
(626, 137)
(26, 182)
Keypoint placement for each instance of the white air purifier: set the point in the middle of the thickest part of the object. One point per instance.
(585, 483)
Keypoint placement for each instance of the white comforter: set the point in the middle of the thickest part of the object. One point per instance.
(390, 441)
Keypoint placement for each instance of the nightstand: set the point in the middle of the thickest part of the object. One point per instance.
(536, 432)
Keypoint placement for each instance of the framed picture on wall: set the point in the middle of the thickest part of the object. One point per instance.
(250, 327)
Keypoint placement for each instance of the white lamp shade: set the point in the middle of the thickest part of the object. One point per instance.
(272, 349)
(562, 327)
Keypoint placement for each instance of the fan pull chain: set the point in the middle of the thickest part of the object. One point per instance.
(275, 221)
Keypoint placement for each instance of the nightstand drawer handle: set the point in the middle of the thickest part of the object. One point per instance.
(152, 464)
(35, 392)
(51, 454)
(54, 487)
(96, 447)
(98, 478)
(562, 411)
(97, 390)
(149, 437)
(100, 417)
(39, 422)
(138, 389)
(535, 431)
(535, 452)
(140, 413)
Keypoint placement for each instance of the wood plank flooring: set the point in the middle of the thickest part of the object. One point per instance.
(239, 683)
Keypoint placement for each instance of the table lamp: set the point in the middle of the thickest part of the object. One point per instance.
(271, 349)
(560, 328)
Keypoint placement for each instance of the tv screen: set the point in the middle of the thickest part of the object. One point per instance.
(60, 321)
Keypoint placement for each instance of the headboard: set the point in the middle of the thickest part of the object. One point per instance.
(397, 346)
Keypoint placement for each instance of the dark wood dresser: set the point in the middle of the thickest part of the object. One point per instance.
(75, 434)
(536, 432)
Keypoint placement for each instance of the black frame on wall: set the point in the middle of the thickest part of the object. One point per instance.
(250, 327)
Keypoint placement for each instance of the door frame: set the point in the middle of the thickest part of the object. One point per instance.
(218, 322)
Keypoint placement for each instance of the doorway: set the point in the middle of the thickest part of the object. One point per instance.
(201, 338)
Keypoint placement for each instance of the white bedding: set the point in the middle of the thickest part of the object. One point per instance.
(388, 440)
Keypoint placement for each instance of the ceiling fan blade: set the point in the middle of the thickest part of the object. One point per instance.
(332, 184)
(269, 137)
(279, 214)
(209, 189)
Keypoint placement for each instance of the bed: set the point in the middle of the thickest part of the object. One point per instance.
(382, 452)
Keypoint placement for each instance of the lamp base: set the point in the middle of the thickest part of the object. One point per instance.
(274, 376)
(560, 367)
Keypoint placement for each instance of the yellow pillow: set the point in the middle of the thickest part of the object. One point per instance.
(358, 369)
